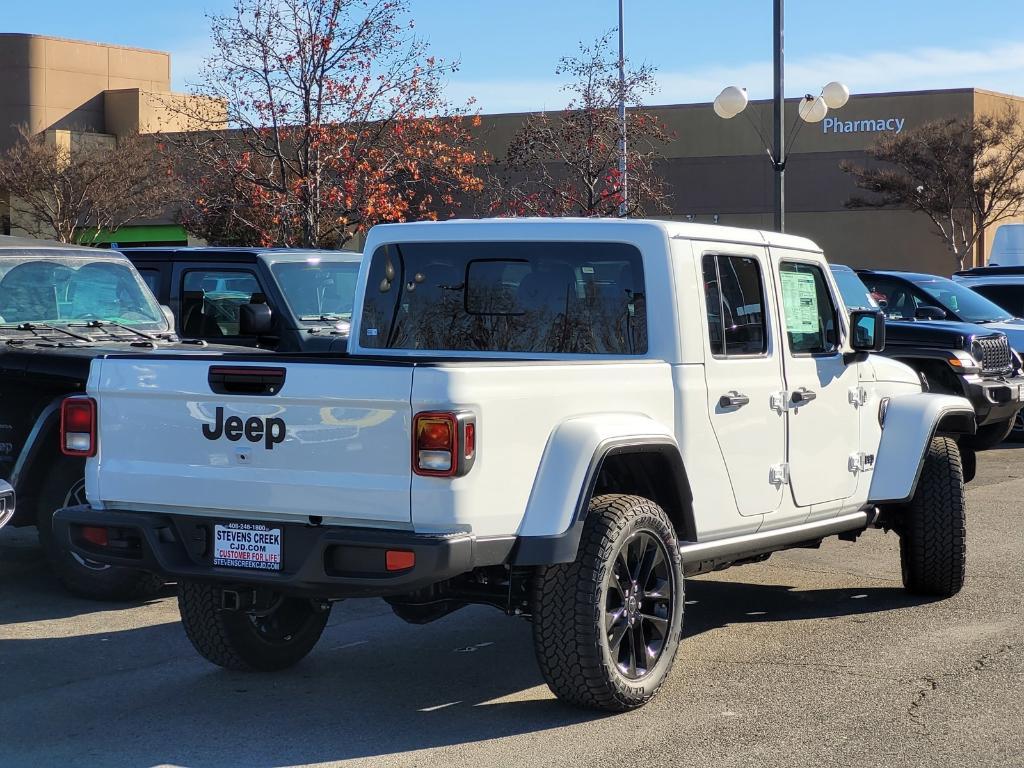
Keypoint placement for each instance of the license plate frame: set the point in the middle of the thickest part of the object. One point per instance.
(243, 545)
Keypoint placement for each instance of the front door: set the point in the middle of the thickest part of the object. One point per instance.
(823, 421)
(743, 370)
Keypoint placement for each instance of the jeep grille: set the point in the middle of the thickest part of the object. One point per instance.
(994, 354)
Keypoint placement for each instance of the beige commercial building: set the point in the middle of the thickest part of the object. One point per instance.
(717, 170)
(75, 92)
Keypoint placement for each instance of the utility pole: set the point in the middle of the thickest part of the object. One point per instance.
(779, 119)
(623, 181)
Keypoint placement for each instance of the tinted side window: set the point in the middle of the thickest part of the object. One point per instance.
(211, 301)
(152, 279)
(1009, 297)
(898, 296)
(735, 300)
(810, 316)
(544, 297)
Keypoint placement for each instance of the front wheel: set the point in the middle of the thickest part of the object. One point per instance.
(65, 487)
(933, 532)
(276, 637)
(991, 435)
(607, 626)
(1017, 432)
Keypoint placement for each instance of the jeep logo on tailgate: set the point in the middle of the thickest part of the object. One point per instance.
(270, 431)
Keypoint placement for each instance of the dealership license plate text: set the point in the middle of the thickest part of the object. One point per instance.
(247, 545)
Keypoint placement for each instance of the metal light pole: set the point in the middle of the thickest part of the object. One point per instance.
(779, 119)
(623, 181)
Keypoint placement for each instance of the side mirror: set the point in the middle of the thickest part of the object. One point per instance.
(7, 502)
(928, 312)
(255, 319)
(867, 328)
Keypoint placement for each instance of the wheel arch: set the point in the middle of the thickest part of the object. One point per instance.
(32, 467)
(587, 457)
(910, 423)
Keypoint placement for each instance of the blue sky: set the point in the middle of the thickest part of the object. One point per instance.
(509, 50)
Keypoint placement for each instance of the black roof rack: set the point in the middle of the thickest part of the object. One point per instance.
(993, 270)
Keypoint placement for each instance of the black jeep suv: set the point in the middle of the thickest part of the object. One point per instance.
(960, 358)
(60, 307)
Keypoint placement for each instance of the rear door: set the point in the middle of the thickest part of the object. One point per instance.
(285, 440)
(823, 421)
(208, 299)
(743, 369)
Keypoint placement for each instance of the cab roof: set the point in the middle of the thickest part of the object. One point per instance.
(571, 227)
(236, 253)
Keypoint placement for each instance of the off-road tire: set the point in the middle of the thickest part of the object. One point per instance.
(1017, 431)
(63, 487)
(990, 435)
(933, 532)
(231, 639)
(568, 605)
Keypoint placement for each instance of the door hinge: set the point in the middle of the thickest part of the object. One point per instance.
(858, 396)
(779, 474)
(778, 401)
(862, 462)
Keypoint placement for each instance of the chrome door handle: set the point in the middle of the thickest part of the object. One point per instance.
(803, 395)
(733, 400)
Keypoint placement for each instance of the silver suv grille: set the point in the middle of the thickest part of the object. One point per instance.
(994, 353)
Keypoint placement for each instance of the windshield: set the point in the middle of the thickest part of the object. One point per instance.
(855, 294)
(965, 303)
(318, 290)
(55, 289)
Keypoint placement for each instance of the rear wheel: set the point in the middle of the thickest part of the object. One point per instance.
(933, 533)
(606, 627)
(65, 487)
(272, 638)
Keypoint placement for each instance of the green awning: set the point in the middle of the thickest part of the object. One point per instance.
(150, 233)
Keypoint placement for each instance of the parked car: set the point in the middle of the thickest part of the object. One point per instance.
(916, 296)
(559, 418)
(956, 358)
(1008, 246)
(60, 307)
(1001, 285)
(8, 502)
(283, 299)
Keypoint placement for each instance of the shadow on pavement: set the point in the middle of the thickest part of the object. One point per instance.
(373, 687)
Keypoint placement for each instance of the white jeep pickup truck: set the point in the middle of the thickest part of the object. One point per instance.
(558, 418)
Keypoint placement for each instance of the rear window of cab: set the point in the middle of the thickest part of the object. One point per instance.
(530, 297)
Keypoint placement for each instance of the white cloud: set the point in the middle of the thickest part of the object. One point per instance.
(999, 68)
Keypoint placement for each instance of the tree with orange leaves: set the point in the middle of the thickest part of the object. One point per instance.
(336, 121)
(566, 164)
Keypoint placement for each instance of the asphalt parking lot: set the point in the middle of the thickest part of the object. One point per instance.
(815, 657)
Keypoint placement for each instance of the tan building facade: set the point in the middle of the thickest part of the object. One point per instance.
(718, 171)
(76, 92)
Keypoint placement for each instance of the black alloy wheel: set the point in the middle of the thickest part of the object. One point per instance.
(638, 604)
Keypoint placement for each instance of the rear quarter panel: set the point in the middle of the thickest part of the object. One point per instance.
(518, 409)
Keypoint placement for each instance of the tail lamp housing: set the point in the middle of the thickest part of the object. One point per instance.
(78, 426)
(444, 443)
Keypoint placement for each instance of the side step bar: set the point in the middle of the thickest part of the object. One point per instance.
(751, 544)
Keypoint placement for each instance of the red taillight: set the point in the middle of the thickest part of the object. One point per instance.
(95, 535)
(443, 443)
(399, 560)
(78, 426)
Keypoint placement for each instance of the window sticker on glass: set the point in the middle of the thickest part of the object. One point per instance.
(800, 302)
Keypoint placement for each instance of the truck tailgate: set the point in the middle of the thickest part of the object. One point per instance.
(232, 438)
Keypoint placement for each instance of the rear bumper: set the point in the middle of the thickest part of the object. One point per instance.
(321, 561)
(994, 400)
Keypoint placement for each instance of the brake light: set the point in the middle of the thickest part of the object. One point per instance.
(444, 443)
(78, 426)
